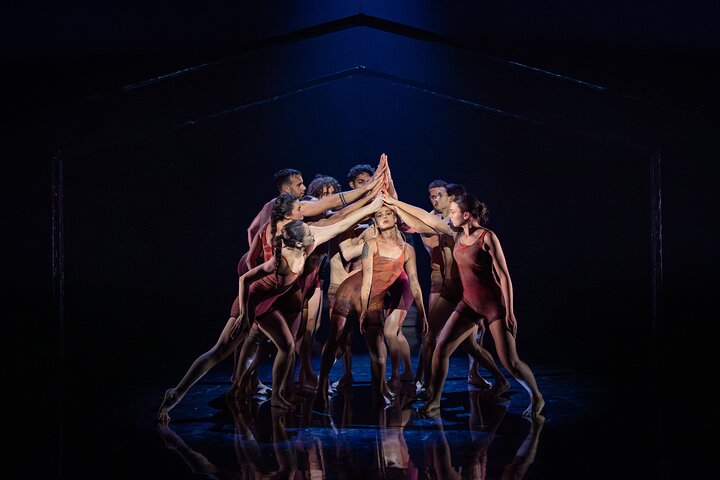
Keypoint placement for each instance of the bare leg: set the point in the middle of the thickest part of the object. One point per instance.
(346, 352)
(483, 357)
(307, 377)
(327, 360)
(259, 349)
(220, 351)
(375, 341)
(274, 325)
(507, 351)
(455, 331)
(398, 348)
(439, 313)
(474, 377)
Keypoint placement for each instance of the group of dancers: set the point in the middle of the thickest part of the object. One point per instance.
(372, 279)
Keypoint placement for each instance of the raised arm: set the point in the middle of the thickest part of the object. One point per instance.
(323, 234)
(339, 215)
(416, 225)
(433, 221)
(493, 247)
(318, 206)
(352, 247)
(369, 249)
(411, 270)
(254, 274)
(388, 178)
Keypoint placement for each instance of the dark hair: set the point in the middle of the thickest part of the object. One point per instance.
(283, 176)
(320, 183)
(469, 203)
(292, 234)
(455, 189)
(282, 207)
(438, 184)
(358, 169)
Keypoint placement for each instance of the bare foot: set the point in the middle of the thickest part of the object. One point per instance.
(500, 387)
(477, 381)
(534, 408)
(169, 401)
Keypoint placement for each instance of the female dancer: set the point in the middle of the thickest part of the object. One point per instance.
(487, 293)
(363, 293)
(258, 289)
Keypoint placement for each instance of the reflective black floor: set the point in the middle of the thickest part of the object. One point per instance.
(588, 431)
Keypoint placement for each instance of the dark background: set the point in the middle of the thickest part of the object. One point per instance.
(587, 131)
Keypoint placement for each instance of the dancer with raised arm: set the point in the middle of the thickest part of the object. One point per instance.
(257, 291)
(363, 294)
(487, 294)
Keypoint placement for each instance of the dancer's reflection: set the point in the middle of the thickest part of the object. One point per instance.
(251, 441)
(393, 449)
(197, 462)
(251, 444)
(525, 455)
(485, 418)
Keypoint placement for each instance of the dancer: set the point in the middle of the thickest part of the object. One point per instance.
(383, 259)
(257, 291)
(487, 294)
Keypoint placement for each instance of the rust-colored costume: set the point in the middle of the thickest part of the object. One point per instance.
(385, 271)
(482, 297)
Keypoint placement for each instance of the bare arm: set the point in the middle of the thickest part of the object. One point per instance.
(492, 244)
(368, 252)
(417, 225)
(388, 178)
(323, 234)
(437, 224)
(256, 273)
(351, 248)
(318, 206)
(411, 270)
(255, 249)
(259, 220)
(339, 215)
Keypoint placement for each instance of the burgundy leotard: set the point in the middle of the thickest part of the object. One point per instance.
(482, 296)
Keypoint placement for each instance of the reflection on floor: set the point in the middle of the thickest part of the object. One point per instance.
(473, 435)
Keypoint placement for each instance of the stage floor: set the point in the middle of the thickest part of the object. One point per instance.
(590, 430)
